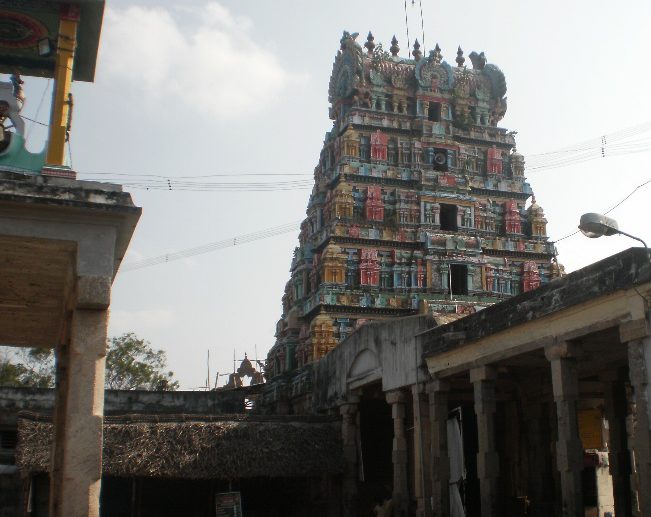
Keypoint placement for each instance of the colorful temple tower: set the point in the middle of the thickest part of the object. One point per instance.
(418, 202)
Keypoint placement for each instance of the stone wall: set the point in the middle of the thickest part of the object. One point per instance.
(13, 400)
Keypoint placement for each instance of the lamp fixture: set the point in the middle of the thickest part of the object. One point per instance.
(44, 47)
(597, 225)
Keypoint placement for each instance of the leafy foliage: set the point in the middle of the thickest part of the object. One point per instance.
(28, 368)
(132, 364)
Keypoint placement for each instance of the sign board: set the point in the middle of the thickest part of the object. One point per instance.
(590, 428)
(228, 504)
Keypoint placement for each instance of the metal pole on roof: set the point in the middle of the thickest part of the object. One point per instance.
(61, 96)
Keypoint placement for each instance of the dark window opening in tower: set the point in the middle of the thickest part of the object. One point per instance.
(434, 112)
(365, 148)
(449, 217)
(458, 279)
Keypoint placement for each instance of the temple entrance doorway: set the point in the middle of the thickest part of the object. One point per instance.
(375, 446)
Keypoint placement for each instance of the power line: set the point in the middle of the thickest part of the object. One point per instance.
(279, 230)
(616, 205)
(212, 246)
(618, 143)
(623, 142)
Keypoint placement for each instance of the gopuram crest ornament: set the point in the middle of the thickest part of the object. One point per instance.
(347, 71)
(431, 74)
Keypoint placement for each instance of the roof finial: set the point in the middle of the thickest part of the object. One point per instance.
(370, 44)
(460, 59)
(394, 49)
(417, 53)
(437, 54)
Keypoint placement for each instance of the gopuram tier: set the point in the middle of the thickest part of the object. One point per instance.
(418, 205)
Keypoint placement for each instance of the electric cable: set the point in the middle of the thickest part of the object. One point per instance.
(422, 25)
(38, 110)
(212, 246)
(407, 27)
(616, 205)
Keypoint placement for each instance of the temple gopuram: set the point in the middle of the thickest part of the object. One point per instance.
(418, 205)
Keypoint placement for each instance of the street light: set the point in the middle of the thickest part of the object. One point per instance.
(596, 225)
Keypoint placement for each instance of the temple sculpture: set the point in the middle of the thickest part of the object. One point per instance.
(418, 205)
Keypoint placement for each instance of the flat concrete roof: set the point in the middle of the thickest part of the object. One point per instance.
(621, 271)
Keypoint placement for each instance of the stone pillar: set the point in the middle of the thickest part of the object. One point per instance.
(400, 496)
(483, 380)
(569, 450)
(440, 461)
(619, 459)
(639, 365)
(76, 466)
(348, 412)
(422, 480)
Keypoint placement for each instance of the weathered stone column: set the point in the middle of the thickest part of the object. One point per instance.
(422, 480)
(569, 450)
(483, 380)
(76, 466)
(400, 496)
(440, 461)
(348, 412)
(639, 365)
(619, 459)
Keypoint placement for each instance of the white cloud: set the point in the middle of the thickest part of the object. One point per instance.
(203, 59)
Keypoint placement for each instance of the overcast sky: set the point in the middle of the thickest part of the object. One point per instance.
(240, 87)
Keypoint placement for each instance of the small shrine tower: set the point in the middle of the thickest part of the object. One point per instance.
(418, 203)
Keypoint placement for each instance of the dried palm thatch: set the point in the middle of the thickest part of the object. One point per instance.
(198, 447)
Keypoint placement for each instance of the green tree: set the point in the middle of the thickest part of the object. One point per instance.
(132, 364)
(28, 368)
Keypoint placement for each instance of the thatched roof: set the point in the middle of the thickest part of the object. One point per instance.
(198, 447)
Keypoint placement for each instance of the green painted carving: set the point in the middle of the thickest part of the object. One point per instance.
(19, 159)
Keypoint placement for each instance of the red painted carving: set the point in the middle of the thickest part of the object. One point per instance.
(353, 231)
(379, 146)
(374, 204)
(512, 221)
(530, 276)
(369, 268)
(448, 180)
(494, 161)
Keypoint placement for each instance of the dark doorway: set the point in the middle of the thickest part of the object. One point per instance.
(458, 279)
(376, 437)
(449, 217)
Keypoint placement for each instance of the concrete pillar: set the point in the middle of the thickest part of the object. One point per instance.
(440, 461)
(619, 459)
(78, 417)
(639, 367)
(483, 380)
(569, 450)
(400, 496)
(422, 480)
(349, 431)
